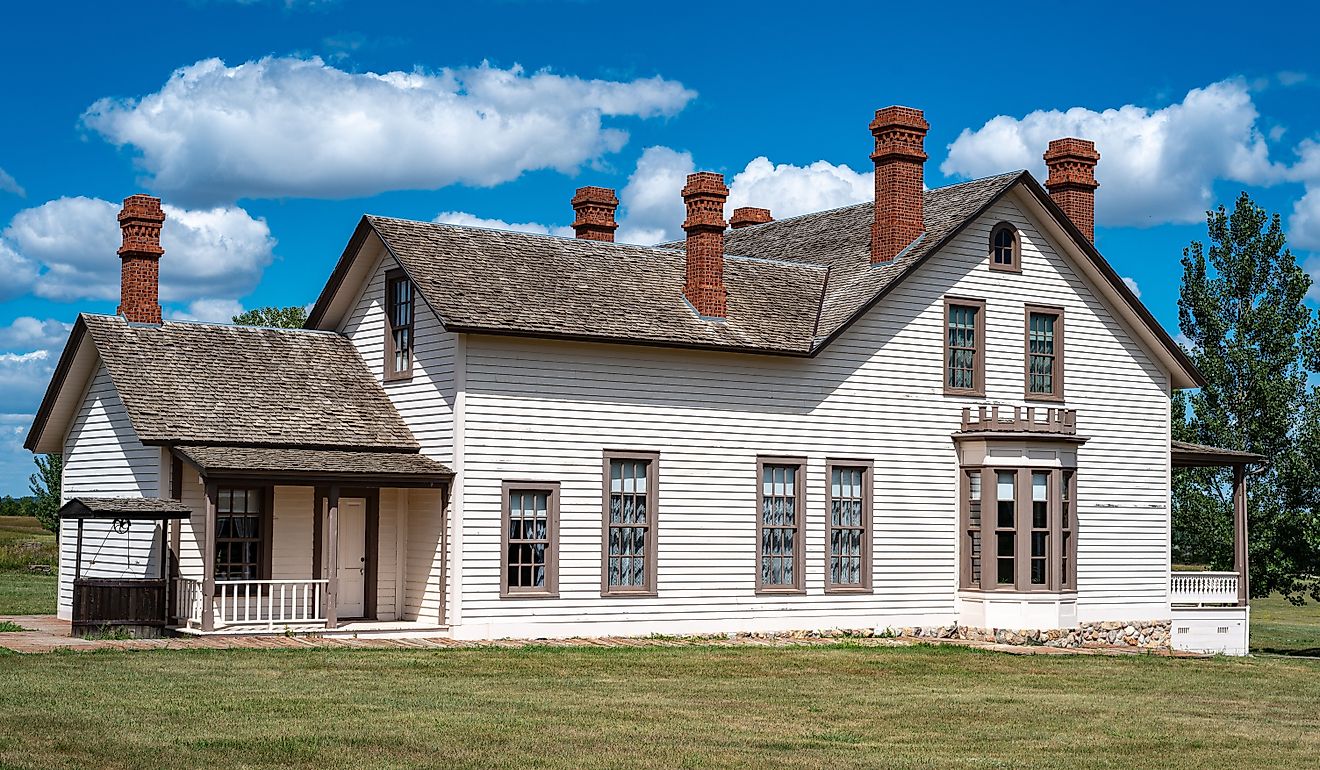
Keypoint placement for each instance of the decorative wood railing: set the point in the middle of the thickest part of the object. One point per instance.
(187, 600)
(1023, 419)
(269, 602)
(1200, 588)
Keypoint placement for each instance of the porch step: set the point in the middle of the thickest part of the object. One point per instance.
(352, 630)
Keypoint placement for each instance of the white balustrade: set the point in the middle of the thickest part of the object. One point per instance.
(188, 600)
(269, 602)
(1201, 588)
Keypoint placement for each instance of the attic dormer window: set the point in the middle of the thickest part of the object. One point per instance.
(1005, 248)
(398, 325)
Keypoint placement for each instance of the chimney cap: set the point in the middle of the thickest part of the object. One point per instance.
(1073, 148)
(705, 183)
(143, 207)
(899, 116)
(745, 216)
(597, 196)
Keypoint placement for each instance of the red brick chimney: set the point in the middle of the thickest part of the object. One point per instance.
(748, 216)
(595, 213)
(704, 195)
(1071, 183)
(139, 286)
(899, 156)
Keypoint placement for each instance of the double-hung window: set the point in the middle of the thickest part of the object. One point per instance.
(779, 525)
(1019, 529)
(848, 526)
(399, 307)
(1044, 353)
(964, 347)
(530, 560)
(242, 533)
(630, 524)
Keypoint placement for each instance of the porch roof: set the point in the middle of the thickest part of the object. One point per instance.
(317, 466)
(1189, 455)
(131, 508)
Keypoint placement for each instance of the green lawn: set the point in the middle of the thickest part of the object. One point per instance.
(23, 543)
(834, 707)
(1279, 627)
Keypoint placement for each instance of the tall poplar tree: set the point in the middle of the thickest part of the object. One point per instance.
(1242, 310)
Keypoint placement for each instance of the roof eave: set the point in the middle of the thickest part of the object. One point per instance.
(1179, 356)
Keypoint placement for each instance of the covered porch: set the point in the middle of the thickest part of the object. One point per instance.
(306, 540)
(1211, 610)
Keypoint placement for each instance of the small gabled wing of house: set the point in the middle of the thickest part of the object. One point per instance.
(210, 384)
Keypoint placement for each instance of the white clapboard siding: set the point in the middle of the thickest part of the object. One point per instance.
(426, 400)
(103, 458)
(425, 580)
(538, 409)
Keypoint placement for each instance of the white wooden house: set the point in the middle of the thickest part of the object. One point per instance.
(940, 407)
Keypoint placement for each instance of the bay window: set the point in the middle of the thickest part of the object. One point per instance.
(1030, 531)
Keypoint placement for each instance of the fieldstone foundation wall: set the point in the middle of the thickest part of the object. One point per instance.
(1147, 634)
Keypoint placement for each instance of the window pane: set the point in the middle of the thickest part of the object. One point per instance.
(846, 525)
(961, 343)
(779, 531)
(1006, 491)
(628, 525)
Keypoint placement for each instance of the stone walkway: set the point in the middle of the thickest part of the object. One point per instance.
(49, 634)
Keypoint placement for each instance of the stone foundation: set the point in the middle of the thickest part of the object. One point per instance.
(1144, 634)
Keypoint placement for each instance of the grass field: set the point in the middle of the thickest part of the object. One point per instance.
(1280, 627)
(836, 707)
(22, 543)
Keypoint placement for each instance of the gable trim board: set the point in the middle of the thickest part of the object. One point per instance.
(351, 271)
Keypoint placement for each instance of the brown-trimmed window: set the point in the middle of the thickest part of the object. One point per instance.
(630, 523)
(242, 533)
(530, 562)
(848, 526)
(1044, 353)
(1019, 528)
(399, 307)
(1005, 248)
(964, 347)
(779, 525)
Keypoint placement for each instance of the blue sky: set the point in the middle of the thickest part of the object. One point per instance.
(270, 127)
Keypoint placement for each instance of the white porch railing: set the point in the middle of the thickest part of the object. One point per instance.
(1201, 588)
(269, 602)
(188, 600)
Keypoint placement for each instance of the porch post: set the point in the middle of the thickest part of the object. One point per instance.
(332, 559)
(1240, 532)
(208, 561)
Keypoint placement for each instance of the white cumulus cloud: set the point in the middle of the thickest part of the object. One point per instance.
(208, 309)
(300, 127)
(653, 209)
(1131, 283)
(27, 332)
(472, 220)
(789, 190)
(23, 378)
(1156, 166)
(65, 250)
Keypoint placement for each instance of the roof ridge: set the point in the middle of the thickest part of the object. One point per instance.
(549, 236)
(212, 324)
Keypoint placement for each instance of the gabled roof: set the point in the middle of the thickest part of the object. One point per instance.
(184, 382)
(793, 285)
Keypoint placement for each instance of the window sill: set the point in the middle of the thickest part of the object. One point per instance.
(401, 377)
(617, 594)
(780, 591)
(1016, 593)
(845, 590)
(957, 392)
(1046, 397)
(529, 595)
(1014, 268)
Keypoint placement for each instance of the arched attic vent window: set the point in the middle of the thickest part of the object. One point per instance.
(1005, 248)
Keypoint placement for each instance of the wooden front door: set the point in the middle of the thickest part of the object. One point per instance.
(352, 557)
